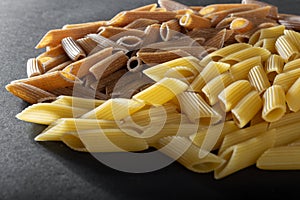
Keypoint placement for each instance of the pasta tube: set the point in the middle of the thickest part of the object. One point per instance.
(293, 95)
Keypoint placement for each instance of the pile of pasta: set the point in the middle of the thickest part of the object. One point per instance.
(219, 102)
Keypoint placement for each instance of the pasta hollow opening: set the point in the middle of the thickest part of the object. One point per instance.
(275, 114)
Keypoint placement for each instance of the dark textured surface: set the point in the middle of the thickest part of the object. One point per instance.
(31, 170)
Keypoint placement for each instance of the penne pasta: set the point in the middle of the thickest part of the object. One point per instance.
(171, 5)
(244, 154)
(81, 67)
(72, 49)
(286, 48)
(272, 32)
(197, 110)
(104, 42)
(287, 79)
(293, 36)
(258, 13)
(54, 37)
(274, 103)
(33, 68)
(259, 79)
(161, 92)
(46, 113)
(130, 42)
(141, 23)
(192, 21)
(182, 73)
(60, 67)
(247, 108)
(215, 86)
(29, 93)
(286, 134)
(218, 7)
(88, 45)
(241, 25)
(233, 94)
(126, 17)
(78, 102)
(152, 34)
(280, 158)
(240, 70)
(289, 118)
(169, 29)
(292, 96)
(274, 65)
(114, 33)
(182, 150)
(54, 62)
(109, 65)
(295, 64)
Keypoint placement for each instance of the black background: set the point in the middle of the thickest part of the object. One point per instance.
(50, 170)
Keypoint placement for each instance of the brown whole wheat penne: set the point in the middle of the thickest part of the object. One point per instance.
(225, 23)
(241, 25)
(104, 42)
(96, 23)
(134, 64)
(72, 49)
(191, 21)
(126, 17)
(60, 66)
(152, 34)
(81, 67)
(219, 7)
(54, 52)
(87, 44)
(205, 33)
(172, 5)
(196, 8)
(54, 37)
(101, 84)
(216, 17)
(53, 62)
(88, 80)
(169, 29)
(113, 33)
(29, 93)
(141, 23)
(182, 41)
(217, 40)
(109, 65)
(258, 13)
(151, 58)
(33, 67)
(130, 42)
(50, 81)
(273, 12)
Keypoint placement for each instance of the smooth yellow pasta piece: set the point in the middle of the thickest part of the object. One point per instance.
(161, 92)
(233, 93)
(157, 72)
(215, 86)
(274, 103)
(240, 70)
(223, 52)
(295, 64)
(287, 79)
(182, 73)
(274, 66)
(280, 158)
(182, 150)
(246, 109)
(293, 96)
(258, 78)
(244, 154)
(78, 102)
(46, 113)
(196, 109)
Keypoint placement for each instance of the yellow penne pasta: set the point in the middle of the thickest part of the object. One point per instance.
(274, 66)
(182, 150)
(221, 53)
(114, 109)
(295, 64)
(241, 69)
(293, 95)
(286, 48)
(268, 43)
(287, 133)
(241, 135)
(233, 93)
(219, 131)
(246, 54)
(215, 86)
(274, 103)
(280, 158)
(289, 118)
(182, 73)
(210, 71)
(246, 109)
(157, 72)
(287, 79)
(46, 113)
(259, 79)
(244, 154)
(161, 92)
(294, 37)
(272, 32)
(106, 140)
(78, 102)
(197, 110)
